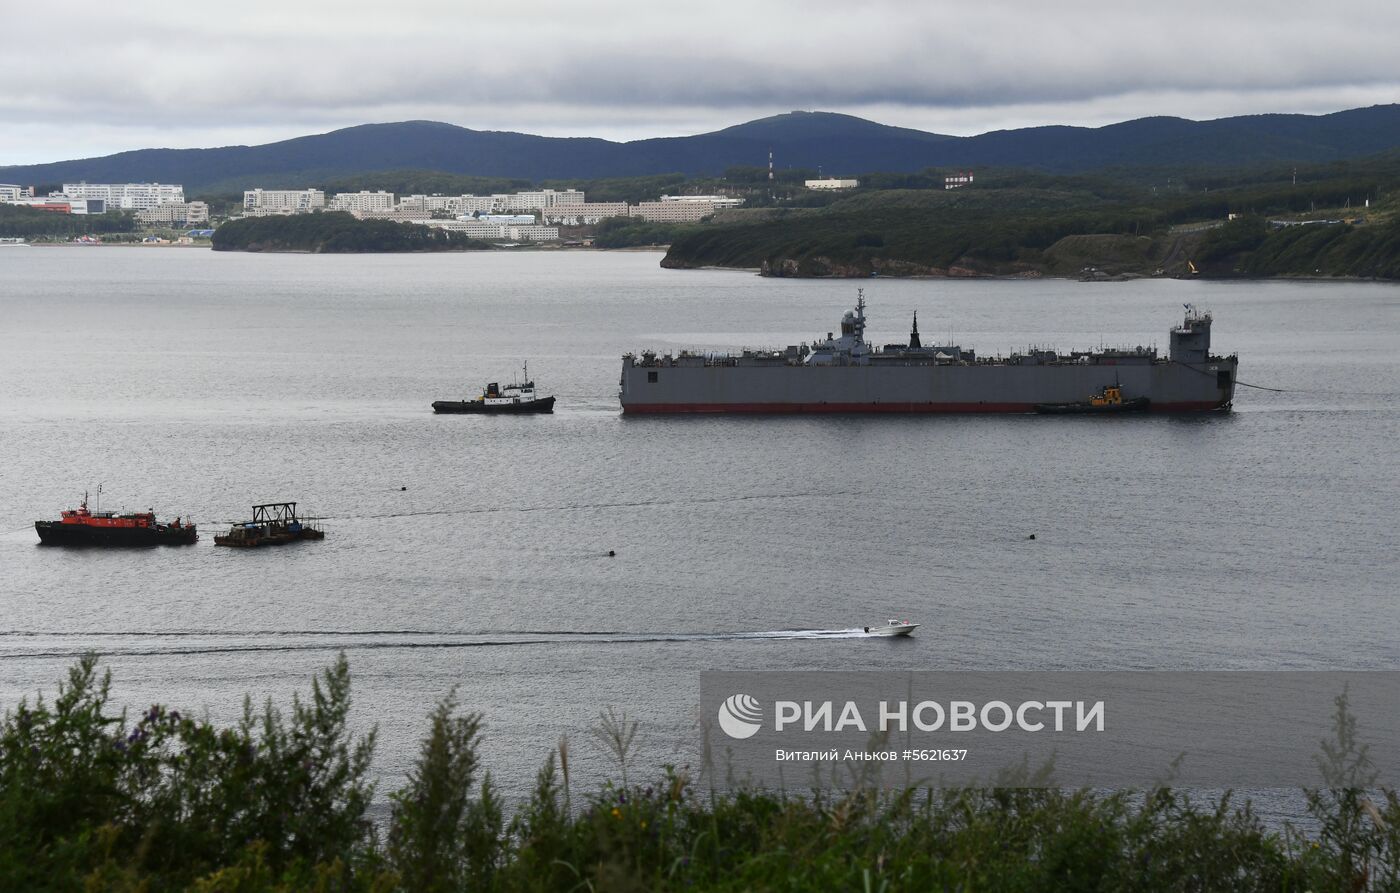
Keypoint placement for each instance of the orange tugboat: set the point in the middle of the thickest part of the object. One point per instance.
(273, 524)
(80, 527)
(1110, 400)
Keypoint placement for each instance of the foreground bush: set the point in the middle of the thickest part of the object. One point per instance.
(90, 800)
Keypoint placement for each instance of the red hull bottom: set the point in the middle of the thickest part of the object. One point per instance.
(794, 408)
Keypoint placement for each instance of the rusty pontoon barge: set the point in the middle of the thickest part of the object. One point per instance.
(273, 524)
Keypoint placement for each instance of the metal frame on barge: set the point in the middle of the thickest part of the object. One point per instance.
(273, 524)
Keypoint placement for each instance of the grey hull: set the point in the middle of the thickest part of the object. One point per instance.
(985, 387)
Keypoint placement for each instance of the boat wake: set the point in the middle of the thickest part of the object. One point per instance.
(27, 644)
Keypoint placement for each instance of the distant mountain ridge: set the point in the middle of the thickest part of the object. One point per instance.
(838, 144)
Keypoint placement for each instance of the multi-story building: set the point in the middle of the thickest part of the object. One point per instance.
(672, 212)
(533, 233)
(364, 200)
(474, 204)
(399, 214)
(508, 219)
(584, 213)
(471, 228)
(432, 203)
(124, 196)
(719, 201)
(267, 202)
(957, 180)
(175, 214)
(526, 201)
(10, 192)
(480, 229)
(540, 200)
(829, 183)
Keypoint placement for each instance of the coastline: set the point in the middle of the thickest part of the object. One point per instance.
(204, 245)
(1038, 275)
(761, 272)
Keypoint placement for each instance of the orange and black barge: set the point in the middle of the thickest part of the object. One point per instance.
(80, 527)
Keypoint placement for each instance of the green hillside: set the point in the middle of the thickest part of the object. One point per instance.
(1011, 223)
(335, 232)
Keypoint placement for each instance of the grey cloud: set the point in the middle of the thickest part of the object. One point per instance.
(276, 67)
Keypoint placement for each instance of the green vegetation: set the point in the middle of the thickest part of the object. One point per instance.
(335, 232)
(29, 223)
(630, 232)
(1014, 222)
(93, 799)
(1250, 246)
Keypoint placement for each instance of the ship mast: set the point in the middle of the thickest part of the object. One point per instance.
(860, 315)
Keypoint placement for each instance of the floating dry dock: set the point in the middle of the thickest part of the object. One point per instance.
(845, 373)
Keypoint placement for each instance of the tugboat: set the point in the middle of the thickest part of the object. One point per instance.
(512, 398)
(1109, 400)
(273, 524)
(80, 527)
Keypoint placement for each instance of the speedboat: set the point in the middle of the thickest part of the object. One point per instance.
(893, 628)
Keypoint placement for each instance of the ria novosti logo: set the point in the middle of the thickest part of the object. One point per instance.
(740, 716)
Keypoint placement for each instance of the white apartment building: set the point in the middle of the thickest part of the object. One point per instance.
(508, 219)
(583, 214)
(124, 196)
(829, 183)
(672, 212)
(471, 228)
(10, 192)
(719, 201)
(538, 201)
(957, 180)
(430, 203)
(266, 202)
(364, 200)
(175, 214)
(477, 229)
(399, 214)
(479, 204)
(533, 233)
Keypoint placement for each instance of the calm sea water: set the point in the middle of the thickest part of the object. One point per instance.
(200, 383)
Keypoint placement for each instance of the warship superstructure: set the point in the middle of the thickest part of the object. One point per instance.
(845, 374)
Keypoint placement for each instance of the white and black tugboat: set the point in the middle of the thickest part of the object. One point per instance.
(516, 397)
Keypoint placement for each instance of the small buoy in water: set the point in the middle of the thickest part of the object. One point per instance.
(1031, 537)
(401, 489)
(611, 553)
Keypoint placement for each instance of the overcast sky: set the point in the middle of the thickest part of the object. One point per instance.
(83, 78)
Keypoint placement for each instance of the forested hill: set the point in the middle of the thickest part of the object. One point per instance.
(335, 232)
(838, 144)
(1336, 220)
